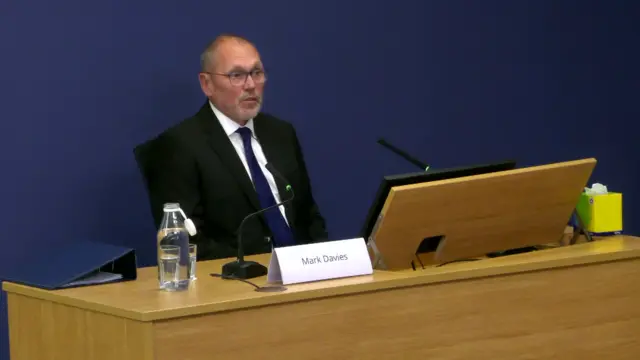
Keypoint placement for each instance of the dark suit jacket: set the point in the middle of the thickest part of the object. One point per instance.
(195, 164)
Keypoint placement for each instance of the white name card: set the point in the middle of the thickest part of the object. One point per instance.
(319, 261)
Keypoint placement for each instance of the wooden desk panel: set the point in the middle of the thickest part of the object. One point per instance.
(584, 312)
(578, 301)
(40, 329)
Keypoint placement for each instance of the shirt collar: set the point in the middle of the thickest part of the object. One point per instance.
(229, 125)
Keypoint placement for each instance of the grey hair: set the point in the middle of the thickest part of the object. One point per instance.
(208, 54)
(205, 59)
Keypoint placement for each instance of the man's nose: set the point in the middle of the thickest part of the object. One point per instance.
(249, 83)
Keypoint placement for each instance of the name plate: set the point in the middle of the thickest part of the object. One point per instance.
(319, 261)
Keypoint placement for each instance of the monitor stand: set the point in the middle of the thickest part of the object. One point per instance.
(430, 244)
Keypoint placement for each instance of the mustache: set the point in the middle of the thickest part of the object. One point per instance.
(251, 97)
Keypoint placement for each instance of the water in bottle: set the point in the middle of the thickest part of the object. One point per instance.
(173, 250)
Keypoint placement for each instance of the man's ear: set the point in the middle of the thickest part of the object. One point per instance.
(205, 83)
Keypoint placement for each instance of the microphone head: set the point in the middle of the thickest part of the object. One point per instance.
(277, 174)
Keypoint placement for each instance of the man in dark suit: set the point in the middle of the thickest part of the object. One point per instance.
(214, 163)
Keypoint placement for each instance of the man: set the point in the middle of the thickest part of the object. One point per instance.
(214, 163)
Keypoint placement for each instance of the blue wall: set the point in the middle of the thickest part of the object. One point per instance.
(456, 82)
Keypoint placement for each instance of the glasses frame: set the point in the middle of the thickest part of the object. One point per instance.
(244, 76)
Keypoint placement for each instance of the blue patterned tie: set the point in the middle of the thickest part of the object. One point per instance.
(282, 235)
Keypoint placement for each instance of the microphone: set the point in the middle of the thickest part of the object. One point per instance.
(277, 174)
(403, 154)
(241, 269)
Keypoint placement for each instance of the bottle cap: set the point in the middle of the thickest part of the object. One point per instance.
(171, 207)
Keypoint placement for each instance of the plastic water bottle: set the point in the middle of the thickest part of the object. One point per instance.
(173, 249)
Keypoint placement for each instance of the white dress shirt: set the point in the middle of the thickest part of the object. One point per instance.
(230, 128)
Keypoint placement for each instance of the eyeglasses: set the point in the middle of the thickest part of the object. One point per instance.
(239, 78)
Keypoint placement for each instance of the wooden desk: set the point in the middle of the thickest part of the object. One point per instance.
(576, 302)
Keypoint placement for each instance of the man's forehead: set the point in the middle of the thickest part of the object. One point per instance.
(236, 54)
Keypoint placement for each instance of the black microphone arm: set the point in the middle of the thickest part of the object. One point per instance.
(241, 269)
(403, 154)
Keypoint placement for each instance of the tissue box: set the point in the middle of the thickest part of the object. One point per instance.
(601, 213)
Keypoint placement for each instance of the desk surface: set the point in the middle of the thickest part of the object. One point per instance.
(141, 300)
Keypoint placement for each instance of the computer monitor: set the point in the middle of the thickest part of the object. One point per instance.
(420, 177)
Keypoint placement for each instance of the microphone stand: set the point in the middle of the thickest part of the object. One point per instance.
(240, 268)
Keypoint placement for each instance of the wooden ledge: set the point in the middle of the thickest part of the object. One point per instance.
(141, 300)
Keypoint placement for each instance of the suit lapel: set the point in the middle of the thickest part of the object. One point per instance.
(220, 143)
(275, 152)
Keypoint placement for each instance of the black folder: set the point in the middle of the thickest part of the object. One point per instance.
(73, 265)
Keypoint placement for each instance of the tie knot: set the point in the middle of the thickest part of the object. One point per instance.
(245, 132)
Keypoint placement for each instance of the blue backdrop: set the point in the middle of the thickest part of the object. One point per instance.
(455, 82)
